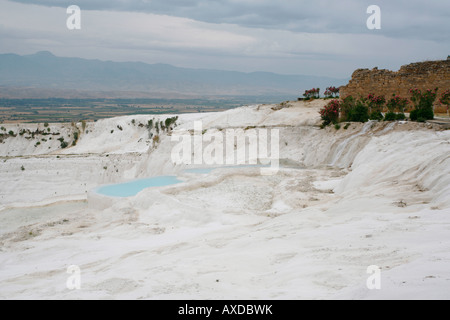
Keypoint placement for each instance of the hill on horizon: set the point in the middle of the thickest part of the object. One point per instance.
(62, 75)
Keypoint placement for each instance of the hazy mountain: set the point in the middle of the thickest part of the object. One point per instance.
(46, 71)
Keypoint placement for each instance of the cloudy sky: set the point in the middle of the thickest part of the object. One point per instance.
(320, 37)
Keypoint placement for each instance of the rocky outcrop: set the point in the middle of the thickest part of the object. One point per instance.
(421, 75)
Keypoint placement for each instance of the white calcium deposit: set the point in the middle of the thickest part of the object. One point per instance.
(375, 194)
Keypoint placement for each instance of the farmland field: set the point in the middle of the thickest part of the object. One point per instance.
(68, 110)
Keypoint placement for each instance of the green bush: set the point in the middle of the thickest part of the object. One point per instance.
(347, 105)
(64, 144)
(337, 126)
(150, 125)
(360, 113)
(168, 122)
(376, 115)
(422, 114)
(171, 121)
(76, 135)
(423, 103)
(347, 126)
(390, 116)
(428, 114)
(400, 117)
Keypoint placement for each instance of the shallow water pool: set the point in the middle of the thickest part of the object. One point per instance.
(132, 188)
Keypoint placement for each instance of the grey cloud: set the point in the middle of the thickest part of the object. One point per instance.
(406, 19)
(267, 43)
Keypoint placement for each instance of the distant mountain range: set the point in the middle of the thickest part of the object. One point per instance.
(45, 73)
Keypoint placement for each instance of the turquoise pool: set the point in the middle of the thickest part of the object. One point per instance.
(132, 188)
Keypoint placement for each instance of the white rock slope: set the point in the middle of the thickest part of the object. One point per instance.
(373, 194)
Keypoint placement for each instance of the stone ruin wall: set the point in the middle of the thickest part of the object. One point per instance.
(421, 75)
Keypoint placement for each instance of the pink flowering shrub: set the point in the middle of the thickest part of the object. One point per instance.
(332, 92)
(397, 103)
(416, 94)
(445, 99)
(375, 103)
(423, 100)
(312, 94)
(330, 113)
